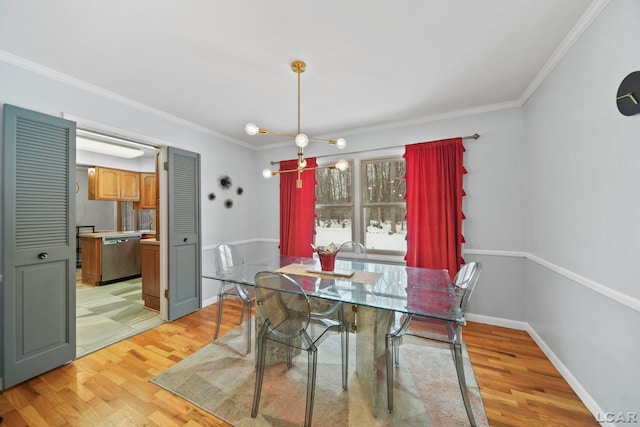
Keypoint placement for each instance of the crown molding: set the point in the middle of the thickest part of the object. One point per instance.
(587, 18)
(82, 85)
(592, 12)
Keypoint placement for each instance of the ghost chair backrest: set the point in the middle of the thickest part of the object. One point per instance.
(465, 282)
(352, 249)
(226, 257)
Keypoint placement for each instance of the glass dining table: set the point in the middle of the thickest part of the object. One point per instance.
(375, 290)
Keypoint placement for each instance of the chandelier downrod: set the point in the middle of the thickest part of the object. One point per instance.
(298, 67)
(300, 139)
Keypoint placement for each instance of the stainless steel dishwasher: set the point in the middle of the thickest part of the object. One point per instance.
(120, 257)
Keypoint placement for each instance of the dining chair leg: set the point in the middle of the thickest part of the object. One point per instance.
(220, 306)
(248, 333)
(311, 385)
(396, 351)
(344, 342)
(457, 350)
(389, 350)
(289, 354)
(260, 358)
(244, 306)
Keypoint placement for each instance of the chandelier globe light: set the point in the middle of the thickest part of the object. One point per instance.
(301, 140)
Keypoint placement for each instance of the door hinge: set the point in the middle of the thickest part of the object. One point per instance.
(166, 166)
(166, 293)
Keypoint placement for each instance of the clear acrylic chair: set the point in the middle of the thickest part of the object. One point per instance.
(352, 248)
(286, 312)
(436, 330)
(226, 257)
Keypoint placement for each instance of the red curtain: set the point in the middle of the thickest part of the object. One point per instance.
(297, 209)
(434, 204)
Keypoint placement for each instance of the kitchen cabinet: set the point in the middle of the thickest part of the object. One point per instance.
(79, 242)
(151, 273)
(148, 190)
(91, 265)
(113, 184)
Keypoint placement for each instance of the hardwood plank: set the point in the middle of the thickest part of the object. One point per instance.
(518, 384)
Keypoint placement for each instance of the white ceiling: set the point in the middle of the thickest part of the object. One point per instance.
(218, 64)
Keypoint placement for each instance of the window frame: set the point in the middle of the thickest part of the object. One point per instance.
(358, 228)
(352, 205)
(364, 205)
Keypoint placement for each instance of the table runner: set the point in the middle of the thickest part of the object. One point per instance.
(365, 277)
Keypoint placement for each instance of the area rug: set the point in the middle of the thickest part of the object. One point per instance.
(220, 379)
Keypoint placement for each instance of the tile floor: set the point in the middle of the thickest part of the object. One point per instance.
(110, 313)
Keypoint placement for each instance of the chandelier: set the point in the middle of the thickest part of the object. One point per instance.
(300, 139)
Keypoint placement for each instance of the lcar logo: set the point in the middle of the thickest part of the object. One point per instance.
(617, 417)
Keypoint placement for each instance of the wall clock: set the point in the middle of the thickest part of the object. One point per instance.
(628, 96)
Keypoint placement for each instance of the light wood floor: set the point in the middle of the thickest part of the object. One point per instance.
(518, 384)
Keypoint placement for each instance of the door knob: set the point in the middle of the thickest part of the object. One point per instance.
(43, 255)
(185, 240)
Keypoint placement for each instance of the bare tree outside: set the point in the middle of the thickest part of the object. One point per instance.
(334, 206)
(383, 203)
(382, 207)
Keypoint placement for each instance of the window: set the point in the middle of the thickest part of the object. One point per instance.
(374, 216)
(383, 207)
(334, 206)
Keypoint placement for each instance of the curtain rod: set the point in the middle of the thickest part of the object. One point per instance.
(474, 136)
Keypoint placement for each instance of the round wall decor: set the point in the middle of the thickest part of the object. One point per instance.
(628, 96)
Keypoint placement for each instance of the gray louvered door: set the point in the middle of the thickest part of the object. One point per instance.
(39, 244)
(184, 232)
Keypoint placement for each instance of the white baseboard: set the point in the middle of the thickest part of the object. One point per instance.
(209, 301)
(497, 321)
(582, 393)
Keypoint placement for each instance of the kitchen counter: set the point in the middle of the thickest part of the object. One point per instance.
(151, 241)
(101, 234)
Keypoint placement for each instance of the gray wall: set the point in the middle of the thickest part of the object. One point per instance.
(46, 93)
(582, 211)
(27, 89)
(494, 205)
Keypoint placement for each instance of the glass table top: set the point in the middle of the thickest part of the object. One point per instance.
(418, 291)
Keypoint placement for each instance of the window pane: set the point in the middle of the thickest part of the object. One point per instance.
(384, 181)
(334, 187)
(333, 225)
(385, 228)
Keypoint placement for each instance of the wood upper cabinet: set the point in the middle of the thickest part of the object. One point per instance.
(147, 191)
(129, 186)
(113, 184)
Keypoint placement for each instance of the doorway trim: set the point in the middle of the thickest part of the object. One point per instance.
(160, 146)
